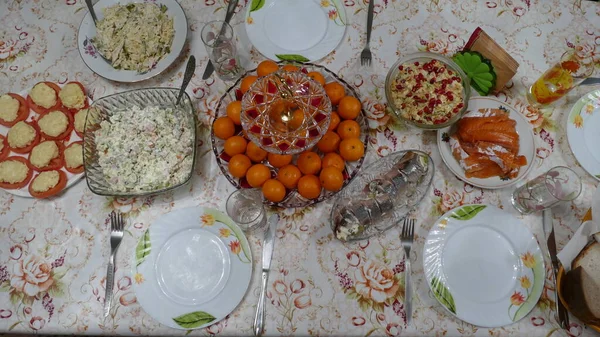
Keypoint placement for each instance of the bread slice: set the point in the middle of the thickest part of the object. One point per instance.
(581, 288)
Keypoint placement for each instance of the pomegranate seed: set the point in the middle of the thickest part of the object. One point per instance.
(400, 67)
(431, 81)
(417, 64)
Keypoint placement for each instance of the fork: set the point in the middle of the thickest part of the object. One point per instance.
(407, 236)
(116, 235)
(365, 55)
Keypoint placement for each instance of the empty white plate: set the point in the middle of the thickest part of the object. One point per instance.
(192, 268)
(292, 30)
(582, 132)
(483, 265)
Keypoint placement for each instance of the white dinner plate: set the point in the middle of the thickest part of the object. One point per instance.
(192, 268)
(582, 132)
(483, 265)
(526, 144)
(292, 30)
(91, 57)
(71, 178)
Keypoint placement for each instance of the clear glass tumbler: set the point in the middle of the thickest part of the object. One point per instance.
(559, 184)
(245, 207)
(219, 41)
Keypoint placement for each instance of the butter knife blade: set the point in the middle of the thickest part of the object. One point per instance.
(269, 242)
(562, 316)
(230, 10)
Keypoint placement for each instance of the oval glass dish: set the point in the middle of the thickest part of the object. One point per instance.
(439, 86)
(103, 108)
(383, 194)
(292, 199)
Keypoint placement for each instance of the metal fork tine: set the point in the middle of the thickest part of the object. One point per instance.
(112, 221)
(121, 224)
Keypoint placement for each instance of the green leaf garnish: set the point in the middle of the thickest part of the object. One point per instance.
(467, 212)
(292, 57)
(193, 319)
(479, 70)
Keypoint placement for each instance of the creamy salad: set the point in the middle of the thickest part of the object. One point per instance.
(134, 36)
(145, 149)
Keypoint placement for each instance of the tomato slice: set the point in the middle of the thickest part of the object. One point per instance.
(75, 170)
(5, 149)
(40, 109)
(18, 185)
(67, 132)
(62, 183)
(36, 140)
(22, 114)
(86, 104)
(55, 163)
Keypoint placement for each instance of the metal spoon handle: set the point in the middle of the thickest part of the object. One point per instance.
(187, 76)
(91, 9)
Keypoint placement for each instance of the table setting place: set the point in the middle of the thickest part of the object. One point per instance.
(300, 168)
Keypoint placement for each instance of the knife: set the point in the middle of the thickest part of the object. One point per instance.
(562, 316)
(267, 253)
(230, 10)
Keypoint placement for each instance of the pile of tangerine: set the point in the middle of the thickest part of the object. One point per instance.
(310, 172)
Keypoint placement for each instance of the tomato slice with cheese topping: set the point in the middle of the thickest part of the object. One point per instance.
(22, 114)
(86, 104)
(40, 109)
(65, 133)
(17, 185)
(55, 163)
(62, 183)
(5, 149)
(78, 169)
(36, 140)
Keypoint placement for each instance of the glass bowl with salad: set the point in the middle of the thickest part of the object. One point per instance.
(427, 90)
(139, 142)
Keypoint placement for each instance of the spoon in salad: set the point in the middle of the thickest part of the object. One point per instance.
(90, 7)
(187, 76)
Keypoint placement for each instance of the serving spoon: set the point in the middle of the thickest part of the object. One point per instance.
(187, 76)
(90, 7)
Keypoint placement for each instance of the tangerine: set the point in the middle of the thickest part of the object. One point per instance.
(331, 179)
(247, 83)
(329, 142)
(235, 145)
(349, 129)
(239, 165)
(255, 153)
(335, 92)
(273, 190)
(223, 127)
(334, 121)
(289, 176)
(309, 162)
(349, 107)
(279, 160)
(309, 186)
(333, 159)
(290, 67)
(317, 76)
(352, 149)
(234, 109)
(257, 174)
(266, 67)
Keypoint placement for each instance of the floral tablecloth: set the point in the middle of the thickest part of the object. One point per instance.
(53, 253)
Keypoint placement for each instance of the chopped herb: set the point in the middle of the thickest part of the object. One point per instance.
(163, 8)
(130, 7)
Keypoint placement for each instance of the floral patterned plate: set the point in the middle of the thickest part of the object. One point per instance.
(292, 30)
(483, 265)
(91, 58)
(582, 132)
(526, 145)
(192, 268)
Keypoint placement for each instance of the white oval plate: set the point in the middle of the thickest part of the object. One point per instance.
(292, 30)
(71, 178)
(91, 58)
(483, 265)
(582, 132)
(191, 268)
(526, 145)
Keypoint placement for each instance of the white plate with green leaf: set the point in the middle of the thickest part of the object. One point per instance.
(192, 268)
(292, 30)
(582, 132)
(483, 265)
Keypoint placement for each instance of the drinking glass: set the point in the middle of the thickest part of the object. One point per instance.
(557, 81)
(219, 42)
(246, 208)
(559, 184)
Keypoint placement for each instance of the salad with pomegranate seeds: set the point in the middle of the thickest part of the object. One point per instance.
(427, 92)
